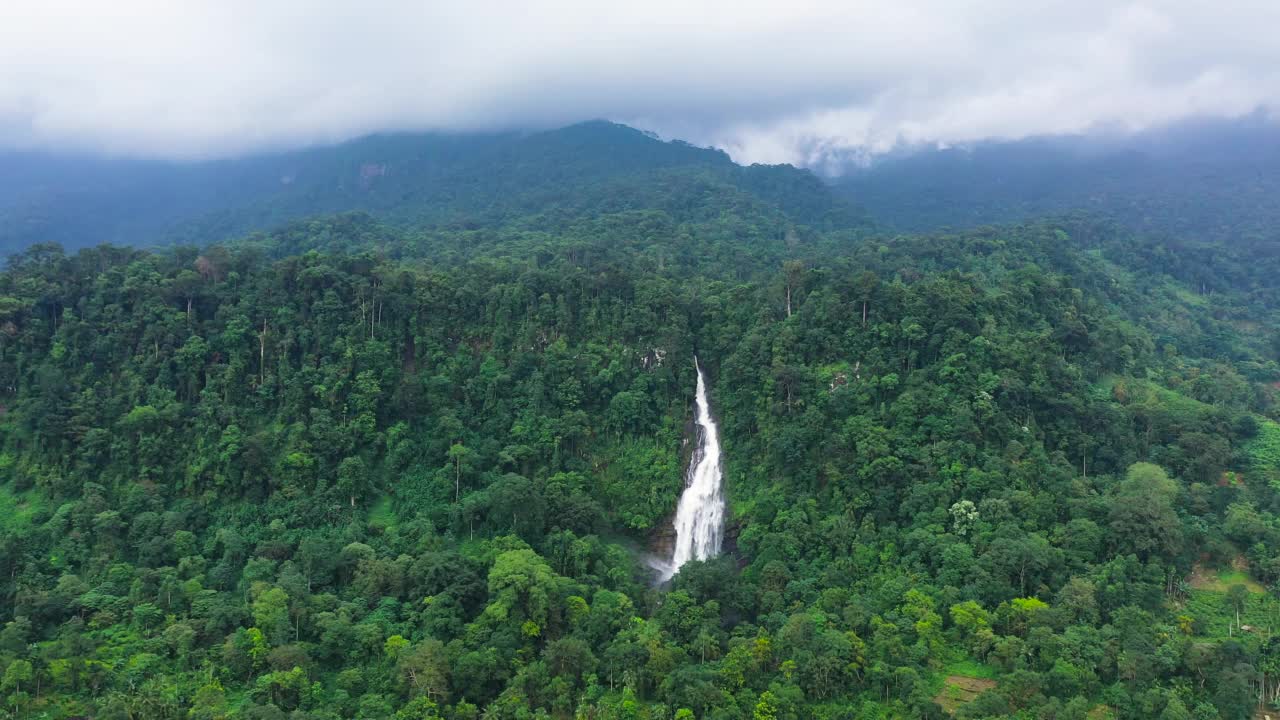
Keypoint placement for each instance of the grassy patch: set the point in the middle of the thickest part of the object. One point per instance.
(958, 690)
(1263, 450)
(1214, 619)
(1186, 295)
(1137, 391)
(1103, 388)
(16, 509)
(382, 514)
(972, 669)
(958, 664)
(1227, 578)
(1221, 579)
(1174, 402)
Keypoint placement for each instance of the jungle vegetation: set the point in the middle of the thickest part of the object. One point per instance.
(369, 467)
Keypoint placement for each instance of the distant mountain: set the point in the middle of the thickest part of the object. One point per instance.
(424, 180)
(1196, 180)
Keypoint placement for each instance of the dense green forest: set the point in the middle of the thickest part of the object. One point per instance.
(357, 468)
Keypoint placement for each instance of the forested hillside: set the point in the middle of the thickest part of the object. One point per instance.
(364, 466)
(1211, 180)
(411, 180)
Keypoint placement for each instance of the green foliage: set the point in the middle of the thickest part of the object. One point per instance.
(1263, 452)
(1213, 615)
(638, 480)
(17, 509)
(532, 181)
(349, 470)
(971, 668)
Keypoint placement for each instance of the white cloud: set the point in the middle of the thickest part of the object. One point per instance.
(772, 82)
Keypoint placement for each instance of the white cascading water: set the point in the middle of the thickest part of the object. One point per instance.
(699, 521)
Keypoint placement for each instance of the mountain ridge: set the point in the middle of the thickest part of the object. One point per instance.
(1177, 181)
(420, 179)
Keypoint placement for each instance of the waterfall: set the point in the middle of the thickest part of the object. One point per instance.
(699, 522)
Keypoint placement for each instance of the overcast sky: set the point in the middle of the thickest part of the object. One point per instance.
(768, 81)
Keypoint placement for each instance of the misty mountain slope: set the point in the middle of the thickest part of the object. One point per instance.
(1207, 180)
(409, 179)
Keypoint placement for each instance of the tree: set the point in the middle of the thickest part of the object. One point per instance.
(522, 587)
(419, 708)
(271, 613)
(457, 453)
(766, 707)
(1143, 520)
(964, 514)
(793, 270)
(1236, 599)
(1175, 710)
(866, 286)
(353, 477)
(1233, 698)
(209, 702)
(16, 675)
(394, 647)
(1021, 558)
(425, 669)
(974, 624)
(570, 658)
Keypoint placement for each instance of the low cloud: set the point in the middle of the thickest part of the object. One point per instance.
(800, 82)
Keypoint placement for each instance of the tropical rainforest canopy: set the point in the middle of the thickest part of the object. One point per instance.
(407, 461)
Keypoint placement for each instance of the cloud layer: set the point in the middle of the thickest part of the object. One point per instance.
(797, 82)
